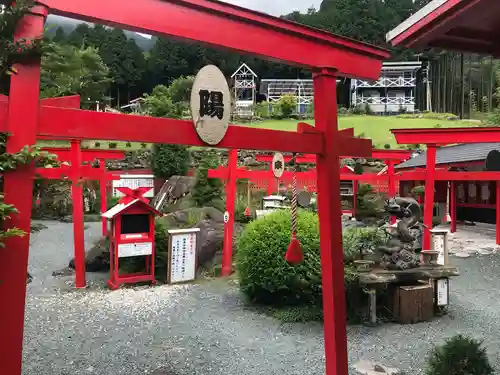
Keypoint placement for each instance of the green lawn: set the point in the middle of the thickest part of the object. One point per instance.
(375, 127)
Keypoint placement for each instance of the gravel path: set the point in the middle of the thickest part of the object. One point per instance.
(204, 329)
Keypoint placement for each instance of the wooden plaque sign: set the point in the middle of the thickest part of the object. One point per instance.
(278, 165)
(182, 255)
(210, 105)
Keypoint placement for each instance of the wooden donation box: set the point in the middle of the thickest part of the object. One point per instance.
(182, 255)
(132, 233)
(413, 303)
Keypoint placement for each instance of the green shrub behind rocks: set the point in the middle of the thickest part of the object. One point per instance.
(265, 276)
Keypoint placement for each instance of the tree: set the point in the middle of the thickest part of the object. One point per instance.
(180, 89)
(69, 70)
(169, 160)
(79, 37)
(159, 104)
(207, 191)
(60, 36)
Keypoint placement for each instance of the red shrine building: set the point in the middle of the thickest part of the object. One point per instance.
(475, 200)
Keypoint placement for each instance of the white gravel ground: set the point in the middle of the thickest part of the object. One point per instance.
(204, 329)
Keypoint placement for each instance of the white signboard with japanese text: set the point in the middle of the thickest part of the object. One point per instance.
(126, 250)
(182, 255)
(442, 292)
(133, 182)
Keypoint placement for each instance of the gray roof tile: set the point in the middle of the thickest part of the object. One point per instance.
(454, 154)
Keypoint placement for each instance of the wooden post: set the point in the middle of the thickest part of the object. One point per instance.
(227, 252)
(78, 210)
(429, 195)
(329, 209)
(249, 194)
(453, 207)
(22, 121)
(104, 197)
(391, 184)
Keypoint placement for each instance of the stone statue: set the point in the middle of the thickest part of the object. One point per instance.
(400, 252)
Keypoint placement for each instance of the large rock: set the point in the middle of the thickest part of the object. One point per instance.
(174, 194)
(96, 259)
(211, 224)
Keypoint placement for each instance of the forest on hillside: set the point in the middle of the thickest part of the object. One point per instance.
(127, 66)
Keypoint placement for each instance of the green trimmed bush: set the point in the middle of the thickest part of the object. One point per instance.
(459, 355)
(265, 277)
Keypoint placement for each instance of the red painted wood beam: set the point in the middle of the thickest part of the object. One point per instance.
(435, 24)
(72, 101)
(447, 135)
(22, 118)
(441, 175)
(83, 173)
(330, 225)
(227, 250)
(395, 155)
(112, 126)
(88, 155)
(237, 28)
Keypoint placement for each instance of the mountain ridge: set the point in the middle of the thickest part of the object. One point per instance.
(68, 25)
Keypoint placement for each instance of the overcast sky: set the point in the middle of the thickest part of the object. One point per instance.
(277, 7)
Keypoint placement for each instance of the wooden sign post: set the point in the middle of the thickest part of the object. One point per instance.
(182, 255)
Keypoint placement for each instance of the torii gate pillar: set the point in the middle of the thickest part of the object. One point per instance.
(22, 122)
(330, 225)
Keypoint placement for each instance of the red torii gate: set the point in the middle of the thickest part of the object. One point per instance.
(433, 137)
(232, 173)
(236, 28)
(76, 157)
(75, 173)
(464, 26)
(89, 173)
(390, 157)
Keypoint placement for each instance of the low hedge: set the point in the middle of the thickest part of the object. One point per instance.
(264, 275)
(266, 278)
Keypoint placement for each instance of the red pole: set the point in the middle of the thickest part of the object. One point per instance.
(329, 209)
(429, 195)
(227, 252)
(78, 230)
(497, 197)
(392, 184)
(453, 207)
(22, 122)
(104, 203)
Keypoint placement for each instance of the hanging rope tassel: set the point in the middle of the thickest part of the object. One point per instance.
(294, 254)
